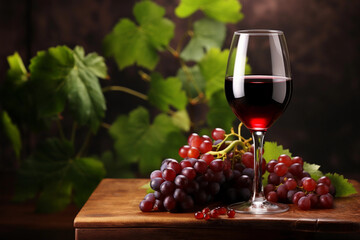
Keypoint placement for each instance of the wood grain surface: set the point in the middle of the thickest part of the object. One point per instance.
(112, 212)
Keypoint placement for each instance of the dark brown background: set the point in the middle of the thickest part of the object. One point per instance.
(320, 123)
(323, 38)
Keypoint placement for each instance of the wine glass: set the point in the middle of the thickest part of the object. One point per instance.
(258, 88)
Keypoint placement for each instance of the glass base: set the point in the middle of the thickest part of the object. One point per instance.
(259, 207)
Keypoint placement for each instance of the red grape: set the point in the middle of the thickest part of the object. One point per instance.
(248, 159)
(194, 140)
(173, 164)
(322, 189)
(296, 169)
(283, 158)
(304, 203)
(146, 206)
(272, 196)
(179, 195)
(205, 146)
(169, 203)
(156, 174)
(193, 152)
(167, 188)
(297, 196)
(314, 199)
(231, 213)
(199, 215)
(218, 134)
(281, 191)
(217, 165)
(206, 210)
(325, 180)
(169, 174)
(200, 166)
(181, 181)
(326, 201)
(290, 184)
(298, 159)
(309, 184)
(268, 188)
(189, 172)
(207, 158)
(271, 164)
(280, 169)
(206, 137)
(185, 163)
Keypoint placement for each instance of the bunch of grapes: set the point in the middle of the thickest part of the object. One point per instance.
(289, 183)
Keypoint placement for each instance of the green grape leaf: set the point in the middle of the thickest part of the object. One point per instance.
(208, 33)
(166, 93)
(58, 176)
(139, 44)
(227, 11)
(62, 75)
(12, 132)
(341, 184)
(17, 73)
(272, 151)
(313, 170)
(213, 67)
(181, 119)
(220, 114)
(139, 141)
(192, 80)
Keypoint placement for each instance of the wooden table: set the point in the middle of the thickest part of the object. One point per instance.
(112, 212)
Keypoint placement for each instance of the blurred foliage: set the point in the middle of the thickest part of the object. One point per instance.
(62, 83)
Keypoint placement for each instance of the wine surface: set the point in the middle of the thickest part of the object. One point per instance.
(258, 101)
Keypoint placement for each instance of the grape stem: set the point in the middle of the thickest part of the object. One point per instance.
(222, 153)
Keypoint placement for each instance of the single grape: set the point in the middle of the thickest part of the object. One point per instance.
(155, 183)
(146, 206)
(309, 184)
(199, 215)
(325, 180)
(174, 165)
(155, 174)
(297, 196)
(193, 152)
(270, 165)
(217, 165)
(236, 175)
(272, 196)
(209, 175)
(187, 203)
(227, 164)
(194, 140)
(207, 216)
(150, 197)
(163, 166)
(231, 213)
(181, 181)
(229, 174)
(298, 159)
(322, 189)
(167, 188)
(219, 177)
(280, 169)
(185, 163)
(273, 179)
(296, 169)
(248, 159)
(193, 161)
(200, 166)
(281, 191)
(218, 134)
(205, 146)
(221, 210)
(290, 184)
(183, 151)
(326, 201)
(208, 158)
(304, 203)
(169, 203)
(189, 172)
(169, 174)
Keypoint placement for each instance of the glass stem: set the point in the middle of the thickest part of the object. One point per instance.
(258, 139)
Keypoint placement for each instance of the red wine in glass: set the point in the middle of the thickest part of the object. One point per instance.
(258, 101)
